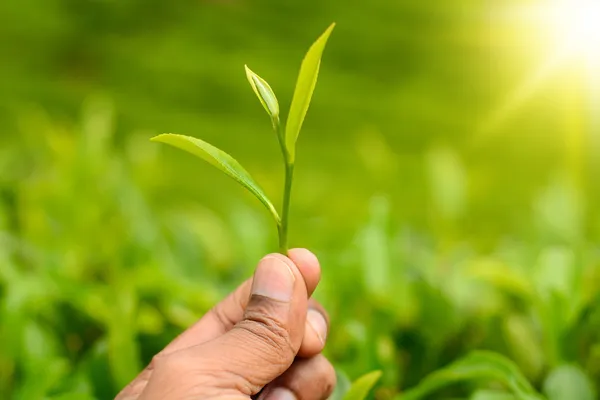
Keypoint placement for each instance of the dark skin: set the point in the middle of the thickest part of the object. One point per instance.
(263, 341)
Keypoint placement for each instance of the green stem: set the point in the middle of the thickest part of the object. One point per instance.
(282, 227)
(280, 139)
(287, 193)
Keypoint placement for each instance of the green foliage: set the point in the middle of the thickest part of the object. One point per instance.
(476, 366)
(342, 385)
(100, 269)
(223, 161)
(305, 86)
(363, 385)
(441, 229)
(220, 160)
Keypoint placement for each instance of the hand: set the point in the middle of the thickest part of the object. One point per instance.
(264, 337)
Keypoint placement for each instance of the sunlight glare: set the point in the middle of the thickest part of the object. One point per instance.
(572, 30)
(577, 26)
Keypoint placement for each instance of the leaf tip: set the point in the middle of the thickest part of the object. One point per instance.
(160, 138)
(327, 32)
(263, 91)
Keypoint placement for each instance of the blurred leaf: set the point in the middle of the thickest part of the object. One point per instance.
(305, 85)
(222, 161)
(44, 368)
(362, 386)
(491, 395)
(477, 366)
(76, 386)
(524, 344)
(568, 382)
(123, 347)
(149, 320)
(555, 275)
(38, 384)
(342, 386)
(502, 277)
(556, 271)
(95, 365)
(264, 93)
(438, 320)
(560, 210)
(374, 248)
(448, 182)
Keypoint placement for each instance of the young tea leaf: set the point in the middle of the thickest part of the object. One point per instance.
(221, 160)
(362, 386)
(477, 366)
(264, 93)
(305, 85)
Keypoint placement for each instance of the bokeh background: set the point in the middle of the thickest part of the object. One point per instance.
(446, 177)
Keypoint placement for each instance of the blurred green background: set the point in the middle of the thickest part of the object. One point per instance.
(446, 177)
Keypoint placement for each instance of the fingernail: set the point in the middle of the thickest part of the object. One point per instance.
(273, 279)
(317, 323)
(280, 394)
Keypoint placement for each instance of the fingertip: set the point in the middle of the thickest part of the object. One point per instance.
(305, 256)
(309, 378)
(309, 267)
(315, 334)
(315, 331)
(287, 260)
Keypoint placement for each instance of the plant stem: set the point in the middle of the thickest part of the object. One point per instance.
(287, 193)
(282, 227)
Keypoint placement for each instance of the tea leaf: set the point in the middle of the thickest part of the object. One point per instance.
(568, 382)
(263, 92)
(220, 160)
(305, 85)
(477, 366)
(362, 386)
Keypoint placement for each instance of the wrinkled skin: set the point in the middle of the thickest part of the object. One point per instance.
(264, 340)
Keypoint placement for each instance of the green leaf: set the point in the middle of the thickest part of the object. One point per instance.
(305, 85)
(491, 395)
(220, 160)
(362, 386)
(342, 386)
(264, 93)
(568, 382)
(477, 366)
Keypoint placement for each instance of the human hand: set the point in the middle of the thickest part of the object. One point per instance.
(264, 337)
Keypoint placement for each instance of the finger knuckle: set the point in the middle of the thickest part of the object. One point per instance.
(221, 316)
(270, 331)
(156, 361)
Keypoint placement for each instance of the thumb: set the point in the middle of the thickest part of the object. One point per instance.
(264, 344)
